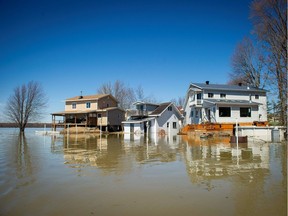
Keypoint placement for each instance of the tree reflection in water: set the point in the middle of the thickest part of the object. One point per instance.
(24, 168)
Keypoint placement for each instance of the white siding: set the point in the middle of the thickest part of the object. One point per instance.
(168, 117)
(258, 112)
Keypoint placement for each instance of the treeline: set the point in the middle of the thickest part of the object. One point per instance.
(29, 125)
(260, 59)
(126, 95)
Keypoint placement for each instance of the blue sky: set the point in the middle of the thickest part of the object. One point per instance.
(72, 46)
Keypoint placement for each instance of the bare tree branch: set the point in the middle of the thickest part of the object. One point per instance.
(26, 104)
(269, 18)
(248, 65)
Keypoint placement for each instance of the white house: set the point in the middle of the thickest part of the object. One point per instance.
(154, 118)
(216, 103)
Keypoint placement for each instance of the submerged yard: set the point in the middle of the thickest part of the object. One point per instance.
(139, 175)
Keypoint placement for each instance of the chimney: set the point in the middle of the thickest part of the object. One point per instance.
(207, 82)
(80, 97)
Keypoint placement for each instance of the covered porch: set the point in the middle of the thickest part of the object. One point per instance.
(93, 119)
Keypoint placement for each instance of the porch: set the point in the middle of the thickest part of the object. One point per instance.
(79, 119)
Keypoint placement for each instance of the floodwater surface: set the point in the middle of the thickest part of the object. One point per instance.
(139, 175)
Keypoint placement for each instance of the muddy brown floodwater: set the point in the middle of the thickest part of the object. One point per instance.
(139, 175)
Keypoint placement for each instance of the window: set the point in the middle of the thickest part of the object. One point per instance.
(257, 97)
(222, 95)
(99, 115)
(199, 96)
(224, 112)
(174, 125)
(210, 95)
(245, 112)
(167, 124)
(88, 105)
(73, 105)
(107, 105)
(192, 113)
(169, 108)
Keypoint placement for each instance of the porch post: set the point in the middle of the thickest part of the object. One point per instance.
(87, 120)
(107, 121)
(53, 122)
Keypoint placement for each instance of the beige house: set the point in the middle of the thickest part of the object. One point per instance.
(99, 111)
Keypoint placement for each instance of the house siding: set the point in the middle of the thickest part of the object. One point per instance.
(81, 105)
(115, 117)
(106, 102)
(258, 112)
(157, 122)
(168, 117)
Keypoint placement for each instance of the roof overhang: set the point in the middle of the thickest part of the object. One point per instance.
(75, 112)
(231, 102)
(138, 121)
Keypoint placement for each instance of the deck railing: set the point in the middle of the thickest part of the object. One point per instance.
(199, 102)
(142, 112)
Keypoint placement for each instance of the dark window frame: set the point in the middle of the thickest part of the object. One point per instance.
(222, 95)
(245, 112)
(174, 125)
(88, 105)
(224, 112)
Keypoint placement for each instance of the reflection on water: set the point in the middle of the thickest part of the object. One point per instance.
(112, 152)
(139, 175)
(23, 160)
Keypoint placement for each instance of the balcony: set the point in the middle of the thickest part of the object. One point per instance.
(142, 113)
(197, 103)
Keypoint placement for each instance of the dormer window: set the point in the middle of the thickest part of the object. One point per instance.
(88, 105)
(210, 95)
(73, 105)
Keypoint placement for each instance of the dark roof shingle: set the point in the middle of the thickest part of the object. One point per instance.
(227, 87)
(160, 108)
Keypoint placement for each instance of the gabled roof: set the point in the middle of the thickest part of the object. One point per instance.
(90, 97)
(144, 103)
(226, 87)
(160, 108)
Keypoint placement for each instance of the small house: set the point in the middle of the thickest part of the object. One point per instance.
(164, 118)
(98, 111)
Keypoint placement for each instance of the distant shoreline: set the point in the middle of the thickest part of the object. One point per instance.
(29, 125)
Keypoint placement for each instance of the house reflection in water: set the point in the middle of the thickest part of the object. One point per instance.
(116, 153)
(153, 148)
(204, 159)
(213, 161)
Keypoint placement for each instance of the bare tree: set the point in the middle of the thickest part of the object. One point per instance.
(124, 94)
(269, 18)
(248, 65)
(179, 102)
(140, 95)
(26, 104)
